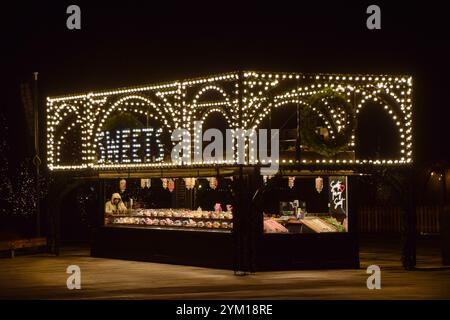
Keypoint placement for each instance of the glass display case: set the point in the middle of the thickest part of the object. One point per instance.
(308, 223)
(169, 204)
(326, 199)
(179, 219)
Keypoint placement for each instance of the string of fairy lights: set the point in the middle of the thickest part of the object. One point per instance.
(243, 99)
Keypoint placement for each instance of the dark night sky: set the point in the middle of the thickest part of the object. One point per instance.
(129, 43)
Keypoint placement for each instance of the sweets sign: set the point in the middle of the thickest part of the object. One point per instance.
(143, 145)
(140, 145)
(338, 195)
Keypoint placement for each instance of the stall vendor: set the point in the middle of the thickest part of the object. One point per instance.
(115, 205)
(124, 194)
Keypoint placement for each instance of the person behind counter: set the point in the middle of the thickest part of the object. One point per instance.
(115, 205)
(123, 192)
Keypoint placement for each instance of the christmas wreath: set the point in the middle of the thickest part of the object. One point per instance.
(329, 109)
(123, 120)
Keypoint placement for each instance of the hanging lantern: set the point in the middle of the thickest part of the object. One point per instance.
(267, 178)
(171, 185)
(319, 184)
(164, 182)
(213, 183)
(146, 183)
(190, 183)
(291, 182)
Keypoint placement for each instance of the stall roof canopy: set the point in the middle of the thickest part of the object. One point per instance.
(86, 131)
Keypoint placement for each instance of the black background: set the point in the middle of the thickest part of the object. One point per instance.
(132, 42)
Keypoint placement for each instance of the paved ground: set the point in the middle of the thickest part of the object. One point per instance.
(43, 276)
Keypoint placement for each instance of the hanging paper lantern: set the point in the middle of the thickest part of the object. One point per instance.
(291, 182)
(267, 178)
(146, 183)
(319, 184)
(171, 185)
(187, 183)
(164, 182)
(190, 183)
(213, 183)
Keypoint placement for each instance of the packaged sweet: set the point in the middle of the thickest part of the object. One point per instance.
(200, 224)
(205, 215)
(272, 226)
(214, 215)
(177, 214)
(177, 223)
(208, 224)
(216, 224)
(189, 214)
(197, 214)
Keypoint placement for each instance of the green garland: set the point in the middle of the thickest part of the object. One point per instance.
(310, 120)
(123, 120)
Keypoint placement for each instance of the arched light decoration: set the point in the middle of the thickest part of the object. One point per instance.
(244, 98)
(319, 184)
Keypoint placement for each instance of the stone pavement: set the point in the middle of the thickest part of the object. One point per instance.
(43, 276)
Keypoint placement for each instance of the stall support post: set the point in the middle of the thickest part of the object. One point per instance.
(412, 219)
(101, 206)
(37, 160)
(240, 216)
(238, 213)
(410, 232)
(255, 223)
(298, 137)
(353, 213)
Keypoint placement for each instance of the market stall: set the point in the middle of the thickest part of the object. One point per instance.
(291, 198)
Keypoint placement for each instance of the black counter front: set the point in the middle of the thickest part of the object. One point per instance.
(307, 251)
(185, 247)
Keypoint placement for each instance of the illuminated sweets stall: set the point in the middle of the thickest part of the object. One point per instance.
(156, 137)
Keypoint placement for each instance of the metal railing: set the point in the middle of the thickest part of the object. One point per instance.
(388, 219)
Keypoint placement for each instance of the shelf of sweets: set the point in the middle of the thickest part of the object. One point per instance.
(175, 218)
(170, 227)
(167, 222)
(177, 214)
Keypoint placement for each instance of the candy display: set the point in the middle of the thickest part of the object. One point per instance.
(206, 215)
(272, 226)
(228, 215)
(175, 218)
